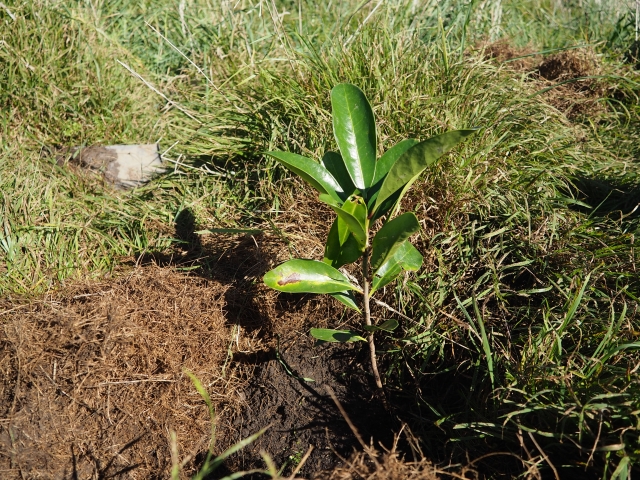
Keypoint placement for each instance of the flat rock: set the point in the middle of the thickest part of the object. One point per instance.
(125, 166)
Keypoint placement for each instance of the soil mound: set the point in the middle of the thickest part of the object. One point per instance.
(503, 51)
(567, 80)
(573, 88)
(568, 65)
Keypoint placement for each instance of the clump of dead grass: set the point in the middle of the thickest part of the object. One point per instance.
(575, 91)
(390, 466)
(569, 64)
(520, 59)
(566, 78)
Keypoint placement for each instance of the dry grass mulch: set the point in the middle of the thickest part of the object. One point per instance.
(95, 383)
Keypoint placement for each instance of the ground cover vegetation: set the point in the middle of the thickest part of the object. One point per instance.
(517, 351)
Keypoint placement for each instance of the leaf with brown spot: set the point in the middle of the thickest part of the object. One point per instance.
(307, 276)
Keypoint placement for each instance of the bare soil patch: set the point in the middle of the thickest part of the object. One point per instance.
(302, 413)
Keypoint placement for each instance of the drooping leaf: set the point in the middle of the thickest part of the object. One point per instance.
(355, 131)
(341, 248)
(386, 326)
(347, 299)
(391, 236)
(353, 224)
(406, 257)
(333, 162)
(307, 276)
(384, 163)
(330, 335)
(312, 172)
(414, 161)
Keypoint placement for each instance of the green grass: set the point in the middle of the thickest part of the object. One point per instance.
(526, 333)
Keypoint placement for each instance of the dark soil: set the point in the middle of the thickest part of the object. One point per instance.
(301, 413)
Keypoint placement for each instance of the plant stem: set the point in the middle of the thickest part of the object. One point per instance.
(367, 314)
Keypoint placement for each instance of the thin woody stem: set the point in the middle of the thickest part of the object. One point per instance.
(367, 314)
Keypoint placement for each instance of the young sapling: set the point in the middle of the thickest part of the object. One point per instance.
(360, 188)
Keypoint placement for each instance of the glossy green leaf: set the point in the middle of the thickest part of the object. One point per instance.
(307, 276)
(406, 257)
(384, 164)
(414, 161)
(312, 172)
(348, 299)
(333, 162)
(356, 206)
(330, 335)
(355, 131)
(391, 236)
(341, 248)
(386, 326)
(353, 224)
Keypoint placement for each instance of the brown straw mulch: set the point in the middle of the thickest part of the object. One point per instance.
(94, 380)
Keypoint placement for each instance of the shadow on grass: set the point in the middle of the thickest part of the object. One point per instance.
(617, 199)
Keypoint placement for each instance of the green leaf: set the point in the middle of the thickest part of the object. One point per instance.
(388, 205)
(348, 299)
(207, 468)
(386, 326)
(312, 172)
(203, 393)
(391, 236)
(355, 131)
(622, 470)
(333, 162)
(353, 224)
(384, 163)
(356, 206)
(307, 276)
(341, 248)
(406, 257)
(413, 162)
(329, 335)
